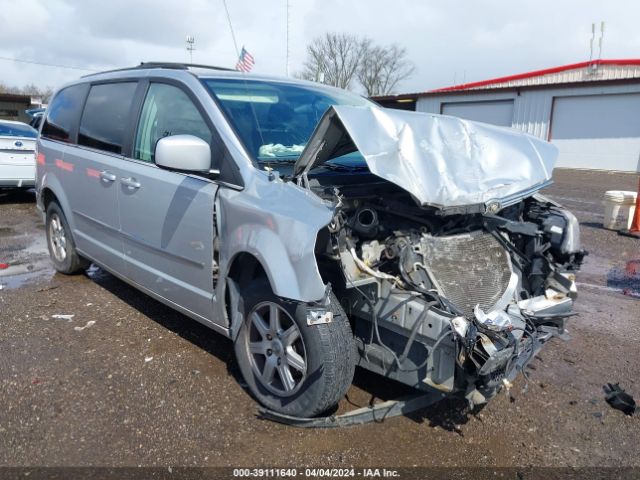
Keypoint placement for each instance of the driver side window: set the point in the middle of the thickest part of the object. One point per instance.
(167, 111)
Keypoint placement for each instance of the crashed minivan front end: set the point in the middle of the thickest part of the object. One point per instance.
(452, 268)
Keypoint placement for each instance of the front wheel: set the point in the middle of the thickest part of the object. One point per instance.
(289, 366)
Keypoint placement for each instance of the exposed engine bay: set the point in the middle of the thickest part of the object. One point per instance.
(460, 302)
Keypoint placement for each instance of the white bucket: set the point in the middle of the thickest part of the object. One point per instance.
(619, 207)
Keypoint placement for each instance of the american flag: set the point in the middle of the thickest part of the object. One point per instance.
(245, 61)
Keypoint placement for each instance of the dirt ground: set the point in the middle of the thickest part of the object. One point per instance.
(144, 385)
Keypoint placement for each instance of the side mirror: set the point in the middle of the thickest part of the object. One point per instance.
(183, 152)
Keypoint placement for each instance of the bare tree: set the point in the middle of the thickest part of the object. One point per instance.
(337, 59)
(334, 59)
(382, 68)
(29, 89)
(35, 91)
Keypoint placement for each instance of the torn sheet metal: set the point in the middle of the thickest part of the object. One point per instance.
(442, 161)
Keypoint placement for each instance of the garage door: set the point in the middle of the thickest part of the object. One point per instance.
(498, 112)
(597, 131)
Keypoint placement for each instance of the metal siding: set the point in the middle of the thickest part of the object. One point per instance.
(598, 131)
(496, 112)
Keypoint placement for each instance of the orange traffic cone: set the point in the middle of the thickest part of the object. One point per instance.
(634, 230)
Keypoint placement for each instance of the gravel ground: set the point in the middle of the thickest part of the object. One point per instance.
(127, 381)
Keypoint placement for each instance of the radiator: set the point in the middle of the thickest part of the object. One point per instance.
(468, 269)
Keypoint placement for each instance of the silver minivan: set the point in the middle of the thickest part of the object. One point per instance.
(317, 230)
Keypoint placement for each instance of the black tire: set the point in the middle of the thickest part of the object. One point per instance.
(329, 349)
(71, 262)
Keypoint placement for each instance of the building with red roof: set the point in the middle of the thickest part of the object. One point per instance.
(590, 110)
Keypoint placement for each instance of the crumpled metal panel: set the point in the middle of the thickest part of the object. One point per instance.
(278, 224)
(442, 161)
(468, 269)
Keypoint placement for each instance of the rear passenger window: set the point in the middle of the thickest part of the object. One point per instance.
(167, 111)
(63, 113)
(105, 116)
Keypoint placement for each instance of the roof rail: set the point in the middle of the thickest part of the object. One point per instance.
(181, 66)
(173, 65)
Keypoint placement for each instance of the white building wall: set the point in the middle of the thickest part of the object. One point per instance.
(532, 108)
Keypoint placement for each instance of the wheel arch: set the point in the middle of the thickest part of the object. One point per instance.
(51, 190)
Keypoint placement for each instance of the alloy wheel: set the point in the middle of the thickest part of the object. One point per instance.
(57, 238)
(276, 349)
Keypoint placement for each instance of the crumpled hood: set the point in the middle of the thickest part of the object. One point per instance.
(442, 161)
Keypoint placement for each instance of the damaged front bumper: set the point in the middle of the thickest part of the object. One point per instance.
(412, 342)
(482, 328)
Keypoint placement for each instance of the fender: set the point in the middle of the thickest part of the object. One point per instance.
(51, 182)
(277, 223)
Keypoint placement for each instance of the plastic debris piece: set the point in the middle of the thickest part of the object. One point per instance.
(617, 398)
(147, 359)
(89, 323)
(495, 320)
(4, 266)
(60, 316)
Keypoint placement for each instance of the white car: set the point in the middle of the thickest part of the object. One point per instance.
(17, 154)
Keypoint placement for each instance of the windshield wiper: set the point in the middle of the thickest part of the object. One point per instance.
(342, 168)
(276, 160)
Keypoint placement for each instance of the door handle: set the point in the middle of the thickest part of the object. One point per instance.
(130, 182)
(107, 176)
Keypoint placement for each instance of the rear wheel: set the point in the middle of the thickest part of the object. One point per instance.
(62, 248)
(289, 366)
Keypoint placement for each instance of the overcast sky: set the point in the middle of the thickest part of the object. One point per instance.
(465, 39)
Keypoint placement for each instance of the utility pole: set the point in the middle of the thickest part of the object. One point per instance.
(287, 66)
(191, 46)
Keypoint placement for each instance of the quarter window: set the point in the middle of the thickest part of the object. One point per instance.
(105, 117)
(167, 110)
(63, 113)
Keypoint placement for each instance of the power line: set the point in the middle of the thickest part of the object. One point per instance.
(33, 62)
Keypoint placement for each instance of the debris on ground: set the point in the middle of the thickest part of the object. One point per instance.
(61, 316)
(89, 323)
(4, 266)
(617, 398)
(147, 359)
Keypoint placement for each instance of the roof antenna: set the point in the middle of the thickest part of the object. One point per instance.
(593, 36)
(600, 40)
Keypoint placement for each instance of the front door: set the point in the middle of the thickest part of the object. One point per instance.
(166, 217)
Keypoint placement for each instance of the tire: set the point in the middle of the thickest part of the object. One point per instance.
(328, 350)
(62, 248)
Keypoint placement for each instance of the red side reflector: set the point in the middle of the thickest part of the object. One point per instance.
(40, 159)
(92, 172)
(61, 164)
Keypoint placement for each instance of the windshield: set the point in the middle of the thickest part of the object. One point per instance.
(275, 120)
(17, 130)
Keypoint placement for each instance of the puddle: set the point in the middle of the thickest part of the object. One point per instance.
(27, 262)
(626, 279)
(10, 282)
